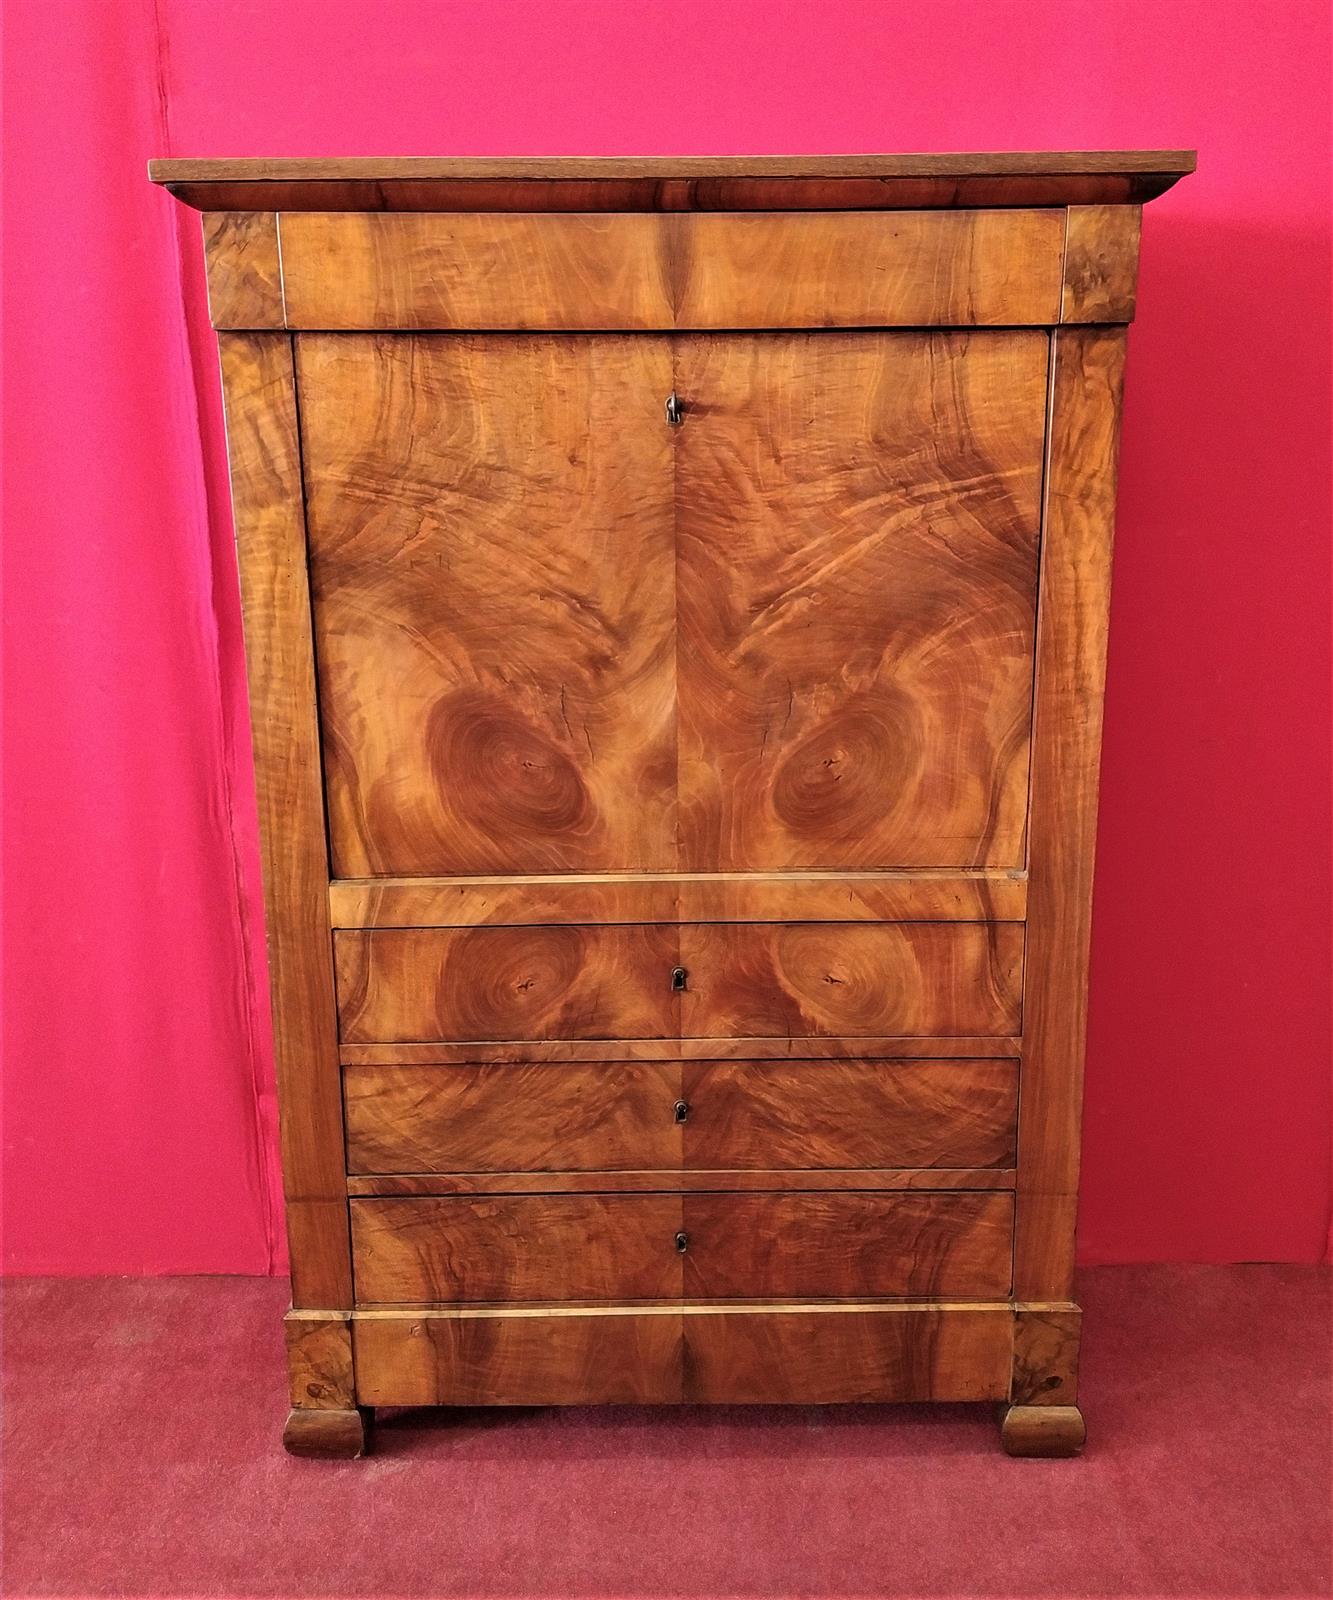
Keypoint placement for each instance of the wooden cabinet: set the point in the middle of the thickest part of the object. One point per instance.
(675, 599)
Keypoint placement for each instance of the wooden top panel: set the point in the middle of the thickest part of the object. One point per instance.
(671, 183)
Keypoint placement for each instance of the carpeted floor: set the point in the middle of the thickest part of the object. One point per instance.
(142, 1458)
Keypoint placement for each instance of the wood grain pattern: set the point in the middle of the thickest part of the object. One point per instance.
(803, 1354)
(742, 979)
(806, 1245)
(447, 1249)
(793, 980)
(325, 1435)
(570, 273)
(491, 561)
(896, 543)
(495, 983)
(601, 1118)
(927, 895)
(1101, 263)
(809, 1357)
(260, 397)
(1052, 1431)
(721, 183)
(244, 269)
(1071, 666)
(618, 1247)
(1046, 1349)
(624, 1181)
(319, 1362)
(773, 1049)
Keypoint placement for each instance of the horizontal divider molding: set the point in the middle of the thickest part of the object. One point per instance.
(934, 895)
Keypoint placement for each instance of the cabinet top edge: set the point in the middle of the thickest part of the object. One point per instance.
(213, 184)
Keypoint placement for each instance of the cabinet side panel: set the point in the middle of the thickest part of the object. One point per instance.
(1071, 664)
(260, 397)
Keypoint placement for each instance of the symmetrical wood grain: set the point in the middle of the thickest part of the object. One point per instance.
(244, 269)
(787, 980)
(491, 561)
(709, 1116)
(666, 183)
(925, 895)
(1101, 263)
(815, 1354)
(1071, 667)
(264, 452)
(571, 273)
(622, 1247)
(857, 599)
(794, 980)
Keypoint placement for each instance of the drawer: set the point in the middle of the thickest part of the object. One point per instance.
(741, 980)
(433, 1249)
(674, 1115)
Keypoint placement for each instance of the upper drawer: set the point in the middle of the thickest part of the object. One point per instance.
(570, 273)
(720, 980)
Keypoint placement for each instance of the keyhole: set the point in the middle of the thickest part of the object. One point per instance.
(682, 1243)
(678, 977)
(681, 1109)
(675, 412)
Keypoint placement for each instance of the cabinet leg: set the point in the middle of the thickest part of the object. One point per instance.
(1051, 1431)
(326, 1435)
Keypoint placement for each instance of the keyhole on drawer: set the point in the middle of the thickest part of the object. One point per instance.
(682, 1110)
(678, 977)
(682, 1243)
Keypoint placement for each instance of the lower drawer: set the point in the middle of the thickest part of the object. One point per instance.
(451, 1249)
(671, 1115)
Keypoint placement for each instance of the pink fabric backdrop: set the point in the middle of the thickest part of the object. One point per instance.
(138, 1105)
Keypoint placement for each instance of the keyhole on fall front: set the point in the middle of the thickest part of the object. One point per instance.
(678, 979)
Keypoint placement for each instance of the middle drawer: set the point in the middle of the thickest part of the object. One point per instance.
(692, 980)
(681, 1115)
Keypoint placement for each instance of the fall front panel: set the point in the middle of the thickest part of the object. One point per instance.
(557, 633)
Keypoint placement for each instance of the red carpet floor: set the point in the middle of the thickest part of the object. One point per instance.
(142, 1458)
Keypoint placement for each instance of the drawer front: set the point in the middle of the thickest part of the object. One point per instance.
(645, 272)
(741, 980)
(670, 1115)
(455, 1249)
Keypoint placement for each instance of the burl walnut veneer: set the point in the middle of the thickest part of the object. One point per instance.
(675, 598)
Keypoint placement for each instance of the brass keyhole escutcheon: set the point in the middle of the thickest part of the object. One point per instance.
(681, 1110)
(675, 411)
(678, 979)
(682, 1242)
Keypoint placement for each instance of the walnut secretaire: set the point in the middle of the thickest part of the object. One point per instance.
(675, 597)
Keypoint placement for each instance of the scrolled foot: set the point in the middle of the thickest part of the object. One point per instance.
(1051, 1431)
(325, 1435)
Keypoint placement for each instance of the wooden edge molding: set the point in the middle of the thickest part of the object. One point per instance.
(740, 1354)
(766, 1049)
(1087, 375)
(802, 1179)
(930, 896)
(244, 269)
(1101, 263)
(765, 183)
